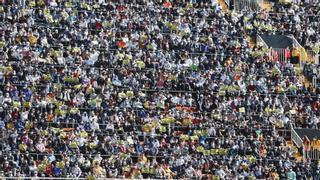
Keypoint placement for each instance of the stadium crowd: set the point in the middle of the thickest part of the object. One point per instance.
(150, 89)
(299, 19)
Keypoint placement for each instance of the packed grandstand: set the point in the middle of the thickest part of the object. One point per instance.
(157, 89)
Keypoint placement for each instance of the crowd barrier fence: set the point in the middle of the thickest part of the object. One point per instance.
(313, 154)
(306, 56)
(280, 54)
(310, 148)
(247, 5)
(295, 138)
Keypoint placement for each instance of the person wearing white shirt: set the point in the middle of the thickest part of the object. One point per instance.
(76, 171)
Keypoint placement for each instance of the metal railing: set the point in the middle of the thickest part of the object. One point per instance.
(247, 5)
(313, 154)
(295, 138)
(284, 55)
(308, 151)
(279, 54)
(40, 156)
(261, 42)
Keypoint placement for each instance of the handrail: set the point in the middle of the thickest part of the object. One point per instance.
(98, 68)
(126, 88)
(249, 5)
(61, 27)
(296, 138)
(263, 43)
(141, 133)
(159, 6)
(217, 157)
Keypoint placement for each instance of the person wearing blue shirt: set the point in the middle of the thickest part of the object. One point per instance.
(57, 171)
(291, 175)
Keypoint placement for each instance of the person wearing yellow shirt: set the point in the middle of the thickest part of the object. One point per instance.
(167, 171)
(98, 171)
(143, 159)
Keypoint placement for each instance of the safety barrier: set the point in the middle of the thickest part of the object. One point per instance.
(285, 55)
(261, 42)
(72, 126)
(313, 154)
(303, 57)
(311, 150)
(279, 54)
(295, 138)
(247, 5)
